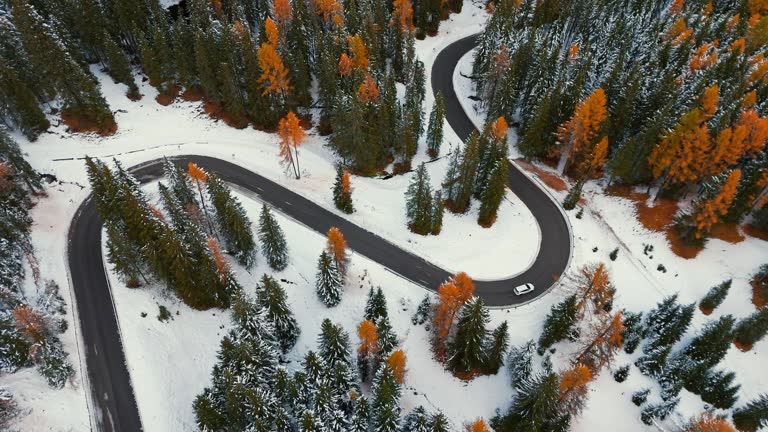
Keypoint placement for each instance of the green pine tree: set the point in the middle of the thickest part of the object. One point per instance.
(272, 298)
(272, 240)
(342, 197)
(328, 284)
(536, 407)
(436, 213)
(493, 194)
(715, 297)
(467, 351)
(751, 329)
(752, 416)
(334, 344)
(385, 409)
(559, 323)
(435, 129)
(419, 202)
(232, 222)
(497, 348)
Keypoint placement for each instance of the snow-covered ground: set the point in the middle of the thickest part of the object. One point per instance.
(171, 362)
(610, 222)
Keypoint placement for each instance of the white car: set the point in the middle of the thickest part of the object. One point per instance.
(523, 289)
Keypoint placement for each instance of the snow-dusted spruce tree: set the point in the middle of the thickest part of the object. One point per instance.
(342, 191)
(520, 363)
(435, 128)
(436, 213)
(180, 184)
(385, 409)
(493, 194)
(417, 420)
(753, 415)
(665, 326)
(334, 344)
(232, 222)
(361, 415)
(536, 407)
(466, 352)
(658, 411)
(715, 296)
(328, 284)
(634, 332)
(559, 323)
(751, 329)
(274, 247)
(271, 296)
(376, 312)
(418, 204)
(423, 311)
(497, 345)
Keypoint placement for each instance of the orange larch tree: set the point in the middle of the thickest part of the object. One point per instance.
(451, 297)
(359, 52)
(368, 91)
(479, 425)
(30, 323)
(593, 288)
(200, 177)
(337, 248)
(678, 32)
(281, 10)
(291, 137)
(397, 361)
(704, 57)
(331, 12)
(369, 348)
(579, 136)
(708, 422)
(274, 75)
(345, 65)
(756, 131)
(499, 129)
(682, 155)
(709, 212)
(728, 148)
(402, 15)
(710, 99)
(601, 342)
(676, 8)
(222, 267)
(573, 388)
(465, 284)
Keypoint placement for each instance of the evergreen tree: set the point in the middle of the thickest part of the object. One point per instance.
(385, 409)
(658, 411)
(423, 311)
(751, 329)
(559, 323)
(361, 415)
(376, 305)
(711, 345)
(439, 423)
(328, 285)
(493, 194)
(719, 390)
(573, 197)
(272, 239)
(714, 297)
(461, 192)
(334, 344)
(467, 351)
(232, 222)
(536, 407)
(271, 296)
(416, 421)
(752, 416)
(633, 332)
(342, 191)
(436, 213)
(20, 104)
(49, 57)
(520, 363)
(497, 348)
(435, 129)
(419, 202)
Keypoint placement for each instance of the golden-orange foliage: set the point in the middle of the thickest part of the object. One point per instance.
(274, 75)
(709, 100)
(396, 361)
(601, 342)
(345, 64)
(337, 248)
(291, 137)
(757, 35)
(758, 68)
(346, 183)
(478, 425)
(738, 45)
(733, 22)
(499, 128)
(573, 52)
(368, 91)
(681, 155)
(593, 287)
(709, 212)
(678, 32)
(750, 99)
(369, 338)
(402, 15)
(359, 52)
(579, 135)
(281, 9)
(449, 303)
(704, 57)
(221, 263)
(758, 7)
(465, 285)
(756, 131)
(197, 173)
(331, 11)
(708, 422)
(728, 148)
(676, 7)
(573, 388)
(6, 184)
(30, 323)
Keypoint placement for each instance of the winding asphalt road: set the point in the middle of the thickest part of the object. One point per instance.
(112, 396)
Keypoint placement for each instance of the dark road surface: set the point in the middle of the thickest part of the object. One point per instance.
(112, 395)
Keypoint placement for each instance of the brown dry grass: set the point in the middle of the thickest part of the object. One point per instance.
(192, 95)
(742, 347)
(680, 247)
(217, 111)
(79, 124)
(705, 311)
(551, 179)
(758, 299)
(166, 99)
(728, 233)
(752, 231)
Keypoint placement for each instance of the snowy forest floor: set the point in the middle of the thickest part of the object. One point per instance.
(170, 362)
